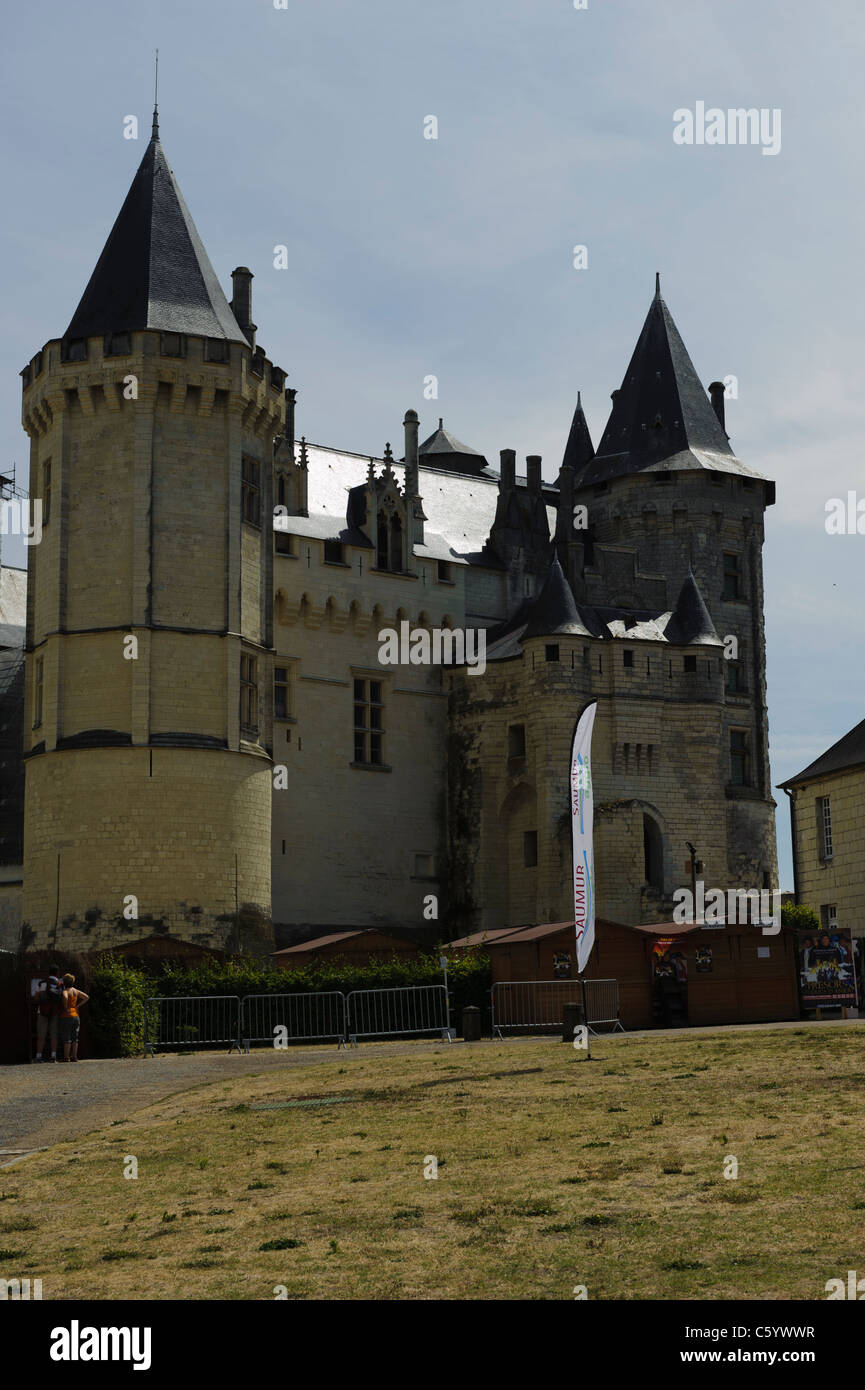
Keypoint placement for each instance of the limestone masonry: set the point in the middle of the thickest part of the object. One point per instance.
(213, 748)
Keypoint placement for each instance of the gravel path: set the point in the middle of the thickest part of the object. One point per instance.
(40, 1104)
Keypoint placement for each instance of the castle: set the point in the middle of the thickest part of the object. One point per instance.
(213, 746)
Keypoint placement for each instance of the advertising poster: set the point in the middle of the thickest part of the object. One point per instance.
(668, 961)
(825, 962)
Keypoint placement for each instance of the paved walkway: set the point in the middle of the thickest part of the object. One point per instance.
(40, 1103)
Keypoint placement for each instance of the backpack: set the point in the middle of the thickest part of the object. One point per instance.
(54, 990)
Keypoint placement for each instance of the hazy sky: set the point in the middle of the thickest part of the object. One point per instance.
(407, 257)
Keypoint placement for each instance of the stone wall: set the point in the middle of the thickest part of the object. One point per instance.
(658, 753)
(147, 588)
(838, 881)
(186, 831)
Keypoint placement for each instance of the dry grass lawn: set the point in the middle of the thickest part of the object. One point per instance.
(552, 1172)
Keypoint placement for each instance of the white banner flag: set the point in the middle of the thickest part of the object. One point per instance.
(582, 812)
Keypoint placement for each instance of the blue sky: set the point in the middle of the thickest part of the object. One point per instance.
(410, 257)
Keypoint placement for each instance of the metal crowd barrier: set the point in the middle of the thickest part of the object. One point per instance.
(305, 1017)
(602, 1005)
(379, 1013)
(534, 1006)
(192, 1021)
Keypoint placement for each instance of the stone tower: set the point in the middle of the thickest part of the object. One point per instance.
(664, 495)
(653, 606)
(149, 620)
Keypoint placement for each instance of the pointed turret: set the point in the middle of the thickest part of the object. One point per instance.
(154, 271)
(579, 448)
(554, 610)
(690, 623)
(662, 418)
(579, 451)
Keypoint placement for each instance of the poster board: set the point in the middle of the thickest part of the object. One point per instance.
(825, 963)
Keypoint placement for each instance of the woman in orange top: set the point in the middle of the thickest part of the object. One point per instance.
(69, 1019)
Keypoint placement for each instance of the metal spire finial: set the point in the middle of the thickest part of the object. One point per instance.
(154, 133)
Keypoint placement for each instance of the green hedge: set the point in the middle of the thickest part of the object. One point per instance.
(118, 990)
(115, 1012)
(469, 977)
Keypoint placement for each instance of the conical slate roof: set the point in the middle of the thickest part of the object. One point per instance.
(154, 271)
(662, 418)
(554, 609)
(690, 623)
(579, 448)
(443, 450)
(554, 612)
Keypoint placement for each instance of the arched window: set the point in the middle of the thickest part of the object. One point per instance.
(653, 853)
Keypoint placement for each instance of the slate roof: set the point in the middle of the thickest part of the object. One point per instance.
(13, 597)
(579, 449)
(662, 418)
(555, 611)
(848, 752)
(154, 271)
(443, 450)
(690, 623)
(460, 508)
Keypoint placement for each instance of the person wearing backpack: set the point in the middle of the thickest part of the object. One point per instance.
(69, 1019)
(49, 1003)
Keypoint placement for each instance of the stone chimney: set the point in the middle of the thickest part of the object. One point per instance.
(414, 507)
(716, 391)
(508, 461)
(410, 426)
(241, 302)
(533, 474)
